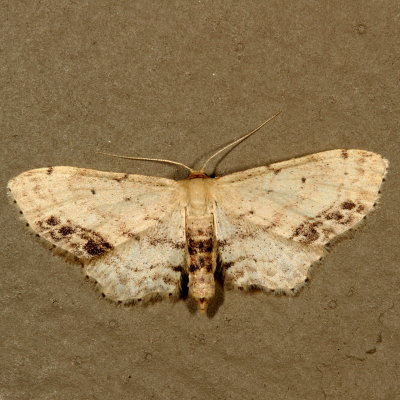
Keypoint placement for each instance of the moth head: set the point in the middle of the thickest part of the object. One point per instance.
(197, 174)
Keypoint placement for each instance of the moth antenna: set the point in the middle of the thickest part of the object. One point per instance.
(238, 140)
(147, 159)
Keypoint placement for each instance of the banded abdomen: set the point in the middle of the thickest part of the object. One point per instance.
(201, 259)
(201, 251)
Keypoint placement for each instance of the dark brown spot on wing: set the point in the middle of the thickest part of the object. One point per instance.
(50, 170)
(334, 215)
(76, 237)
(345, 154)
(96, 247)
(307, 231)
(66, 230)
(53, 221)
(360, 208)
(348, 205)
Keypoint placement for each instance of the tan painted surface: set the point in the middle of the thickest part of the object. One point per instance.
(177, 80)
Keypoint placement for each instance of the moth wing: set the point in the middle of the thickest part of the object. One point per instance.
(255, 258)
(89, 213)
(272, 222)
(146, 266)
(309, 199)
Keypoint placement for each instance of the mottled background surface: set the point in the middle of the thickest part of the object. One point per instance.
(177, 80)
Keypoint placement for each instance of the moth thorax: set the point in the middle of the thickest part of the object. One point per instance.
(198, 197)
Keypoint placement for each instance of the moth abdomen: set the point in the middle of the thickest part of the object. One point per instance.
(201, 258)
(200, 246)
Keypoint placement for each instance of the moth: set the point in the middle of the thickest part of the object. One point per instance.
(264, 227)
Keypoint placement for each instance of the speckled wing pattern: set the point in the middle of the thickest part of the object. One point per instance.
(279, 217)
(147, 266)
(127, 229)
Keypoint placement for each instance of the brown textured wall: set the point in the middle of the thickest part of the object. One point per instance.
(176, 80)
